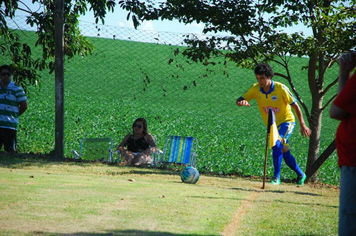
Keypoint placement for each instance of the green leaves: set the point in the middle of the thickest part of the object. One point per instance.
(256, 28)
(23, 60)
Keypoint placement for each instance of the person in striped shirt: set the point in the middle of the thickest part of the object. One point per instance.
(13, 103)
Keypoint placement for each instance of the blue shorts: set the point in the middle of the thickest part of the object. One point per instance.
(285, 130)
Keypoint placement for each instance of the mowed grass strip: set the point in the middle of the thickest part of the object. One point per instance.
(52, 198)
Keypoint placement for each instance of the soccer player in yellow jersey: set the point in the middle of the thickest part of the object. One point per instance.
(275, 95)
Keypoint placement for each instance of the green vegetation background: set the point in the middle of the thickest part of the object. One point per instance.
(124, 80)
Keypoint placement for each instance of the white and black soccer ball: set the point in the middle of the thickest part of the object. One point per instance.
(189, 175)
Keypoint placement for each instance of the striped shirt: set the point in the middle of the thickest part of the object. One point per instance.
(10, 97)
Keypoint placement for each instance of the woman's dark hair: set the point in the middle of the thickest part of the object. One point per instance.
(264, 69)
(144, 123)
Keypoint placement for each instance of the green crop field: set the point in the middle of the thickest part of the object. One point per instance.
(124, 80)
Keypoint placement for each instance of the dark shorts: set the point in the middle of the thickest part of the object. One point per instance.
(8, 139)
(347, 205)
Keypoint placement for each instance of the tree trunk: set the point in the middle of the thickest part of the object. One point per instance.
(314, 142)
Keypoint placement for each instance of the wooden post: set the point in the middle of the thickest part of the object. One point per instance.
(59, 79)
(266, 153)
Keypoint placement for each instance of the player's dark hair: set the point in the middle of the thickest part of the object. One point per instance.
(264, 69)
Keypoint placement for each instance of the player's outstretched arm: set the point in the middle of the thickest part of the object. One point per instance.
(305, 131)
(242, 102)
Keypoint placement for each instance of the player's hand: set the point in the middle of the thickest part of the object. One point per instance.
(241, 103)
(305, 131)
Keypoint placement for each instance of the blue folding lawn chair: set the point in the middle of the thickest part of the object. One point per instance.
(179, 150)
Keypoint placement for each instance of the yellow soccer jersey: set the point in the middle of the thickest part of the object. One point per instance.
(279, 98)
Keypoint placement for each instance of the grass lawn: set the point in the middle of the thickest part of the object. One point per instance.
(44, 197)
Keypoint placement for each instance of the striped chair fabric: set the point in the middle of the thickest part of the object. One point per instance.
(180, 150)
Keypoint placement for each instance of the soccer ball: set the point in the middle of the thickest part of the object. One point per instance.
(189, 175)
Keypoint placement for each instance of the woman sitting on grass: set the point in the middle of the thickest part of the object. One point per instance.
(136, 148)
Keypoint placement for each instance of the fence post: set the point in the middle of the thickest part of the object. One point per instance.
(59, 79)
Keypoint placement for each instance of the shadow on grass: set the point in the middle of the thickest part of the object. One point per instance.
(19, 160)
(286, 202)
(279, 191)
(130, 232)
(309, 204)
(7, 159)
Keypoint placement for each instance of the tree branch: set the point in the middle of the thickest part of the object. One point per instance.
(322, 158)
(27, 11)
(327, 104)
(288, 78)
(329, 86)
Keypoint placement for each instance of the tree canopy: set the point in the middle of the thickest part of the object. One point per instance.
(256, 27)
(24, 63)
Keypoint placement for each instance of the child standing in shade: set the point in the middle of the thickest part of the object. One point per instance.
(13, 103)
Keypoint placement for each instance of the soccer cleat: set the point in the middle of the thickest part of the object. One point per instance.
(275, 181)
(301, 179)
